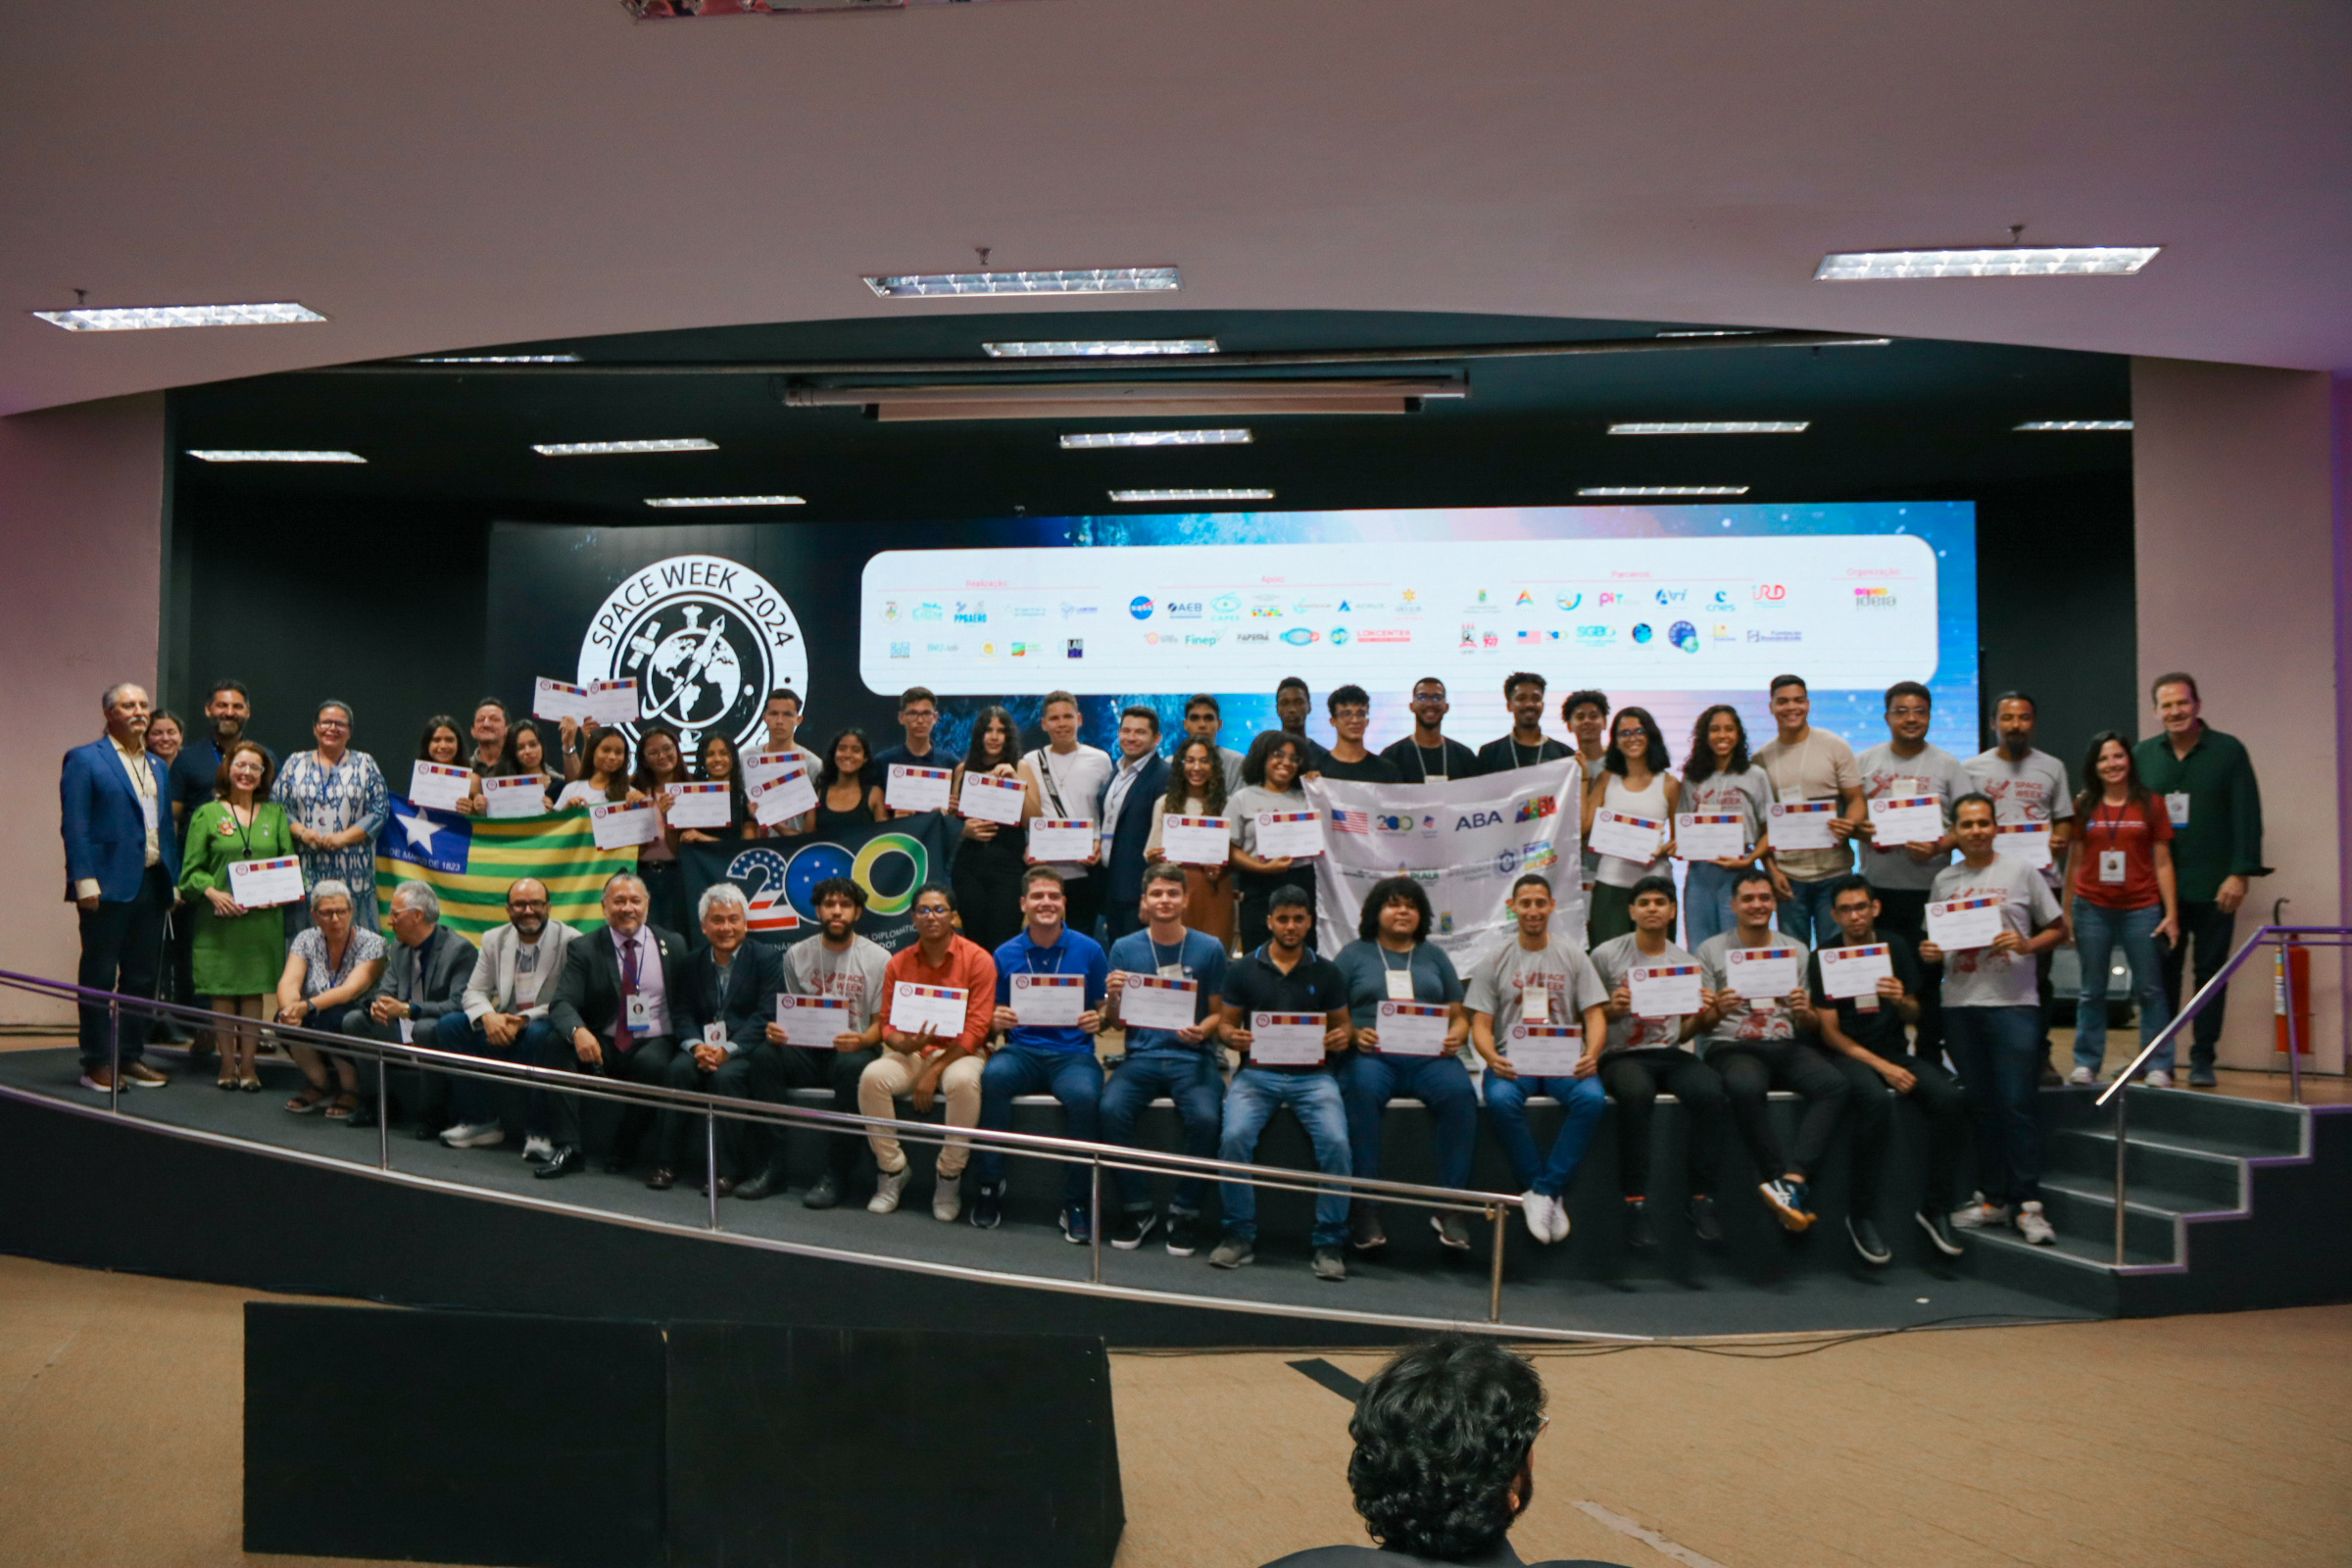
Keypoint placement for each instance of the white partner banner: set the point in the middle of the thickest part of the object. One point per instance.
(1465, 842)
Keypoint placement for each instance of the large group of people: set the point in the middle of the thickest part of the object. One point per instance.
(2152, 857)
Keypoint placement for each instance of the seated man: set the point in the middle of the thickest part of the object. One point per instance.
(1758, 1045)
(1040, 1057)
(1865, 1040)
(720, 998)
(922, 1062)
(1537, 978)
(1647, 1055)
(504, 1017)
(424, 981)
(1182, 1063)
(1444, 1459)
(611, 1017)
(848, 967)
(1285, 976)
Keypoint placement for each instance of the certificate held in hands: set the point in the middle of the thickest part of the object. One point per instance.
(1196, 839)
(700, 806)
(266, 884)
(1286, 1039)
(1897, 820)
(1664, 990)
(917, 789)
(783, 797)
(943, 1008)
(1159, 1002)
(2028, 842)
(612, 701)
(1710, 836)
(558, 700)
(987, 799)
(617, 825)
(1627, 838)
(514, 796)
(1959, 924)
(812, 1021)
(1803, 824)
(1546, 1049)
(1299, 835)
(1411, 1029)
(1850, 973)
(1058, 838)
(1760, 974)
(1049, 1000)
(439, 785)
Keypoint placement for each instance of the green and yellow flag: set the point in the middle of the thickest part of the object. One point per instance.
(470, 861)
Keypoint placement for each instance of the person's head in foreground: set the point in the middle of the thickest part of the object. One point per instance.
(1445, 1457)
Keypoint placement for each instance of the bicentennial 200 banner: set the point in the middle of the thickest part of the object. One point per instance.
(890, 862)
(1465, 842)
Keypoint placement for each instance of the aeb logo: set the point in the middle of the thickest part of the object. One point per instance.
(1183, 608)
(1139, 607)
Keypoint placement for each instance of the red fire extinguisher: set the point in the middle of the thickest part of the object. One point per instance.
(2290, 977)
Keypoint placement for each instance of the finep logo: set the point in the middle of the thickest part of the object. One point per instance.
(1139, 607)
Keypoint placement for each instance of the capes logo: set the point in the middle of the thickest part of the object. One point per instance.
(1226, 604)
(1298, 636)
(1541, 806)
(1139, 607)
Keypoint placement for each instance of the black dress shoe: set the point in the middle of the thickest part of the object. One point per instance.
(726, 1186)
(760, 1186)
(663, 1179)
(566, 1160)
(827, 1193)
(365, 1117)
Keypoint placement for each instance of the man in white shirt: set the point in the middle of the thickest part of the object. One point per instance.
(505, 1017)
(783, 719)
(839, 963)
(1066, 779)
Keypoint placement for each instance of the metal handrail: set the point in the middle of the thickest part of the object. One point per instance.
(1494, 1207)
(2289, 938)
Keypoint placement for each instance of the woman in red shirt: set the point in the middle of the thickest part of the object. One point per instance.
(2119, 890)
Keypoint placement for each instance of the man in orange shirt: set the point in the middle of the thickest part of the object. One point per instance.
(922, 1061)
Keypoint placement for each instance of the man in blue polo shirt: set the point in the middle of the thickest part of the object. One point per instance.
(1038, 1057)
(1181, 1063)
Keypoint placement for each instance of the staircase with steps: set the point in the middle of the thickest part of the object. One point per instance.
(2230, 1204)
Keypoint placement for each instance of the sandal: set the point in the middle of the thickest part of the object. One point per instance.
(225, 1083)
(308, 1100)
(251, 1086)
(343, 1108)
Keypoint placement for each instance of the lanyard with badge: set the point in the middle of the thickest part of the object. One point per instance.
(1400, 981)
(2113, 861)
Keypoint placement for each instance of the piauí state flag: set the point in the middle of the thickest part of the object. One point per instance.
(471, 862)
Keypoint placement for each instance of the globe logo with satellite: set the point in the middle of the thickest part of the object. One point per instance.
(705, 639)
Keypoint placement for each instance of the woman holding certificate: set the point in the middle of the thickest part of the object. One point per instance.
(238, 952)
(606, 756)
(847, 797)
(1197, 789)
(444, 747)
(660, 767)
(716, 763)
(2123, 893)
(1269, 783)
(1629, 806)
(987, 873)
(1719, 781)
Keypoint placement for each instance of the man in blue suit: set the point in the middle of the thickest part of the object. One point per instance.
(121, 863)
(1131, 803)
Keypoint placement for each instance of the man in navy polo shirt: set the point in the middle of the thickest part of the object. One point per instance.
(1181, 1063)
(1040, 1058)
(1285, 976)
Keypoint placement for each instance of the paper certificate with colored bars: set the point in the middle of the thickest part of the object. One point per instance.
(1297, 835)
(1287, 1038)
(1803, 824)
(439, 785)
(1960, 925)
(558, 700)
(814, 1022)
(1159, 1002)
(1196, 839)
(1412, 1028)
(1546, 1049)
(1897, 820)
(700, 805)
(265, 884)
(2028, 842)
(1055, 838)
(514, 796)
(1627, 838)
(941, 1008)
(783, 797)
(1852, 973)
(917, 789)
(1761, 974)
(617, 825)
(1710, 836)
(612, 701)
(1664, 990)
(1049, 1000)
(987, 799)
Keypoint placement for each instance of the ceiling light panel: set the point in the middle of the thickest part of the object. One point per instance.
(153, 318)
(1190, 495)
(1155, 438)
(253, 454)
(603, 449)
(496, 359)
(1713, 427)
(1083, 280)
(1080, 348)
(2076, 424)
(2004, 261)
(724, 501)
(1664, 490)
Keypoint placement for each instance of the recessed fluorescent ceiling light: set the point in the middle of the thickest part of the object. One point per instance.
(1083, 280)
(2076, 424)
(1192, 495)
(1719, 332)
(1076, 348)
(238, 455)
(148, 317)
(598, 448)
(2003, 261)
(1714, 427)
(1157, 438)
(496, 359)
(724, 501)
(1664, 490)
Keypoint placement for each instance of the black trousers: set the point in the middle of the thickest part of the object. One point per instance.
(434, 1108)
(1750, 1069)
(731, 1078)
(1904, 910)
(646, 1062)
(123, 949)
(777, 1070)
(2212, 932)
(1084, 906)
(1635, 1079)
(986, 878)
(1870, 1103)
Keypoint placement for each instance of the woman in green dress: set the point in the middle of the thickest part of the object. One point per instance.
(240, 953)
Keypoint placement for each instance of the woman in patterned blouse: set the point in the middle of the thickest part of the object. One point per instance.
(337, 802)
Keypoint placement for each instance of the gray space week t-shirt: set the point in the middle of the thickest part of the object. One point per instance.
(1885, 775)
(1749, 1020)
(1500, 980)
(1612, 959)
(1983, 978)
(812, 969)
(2031, 789)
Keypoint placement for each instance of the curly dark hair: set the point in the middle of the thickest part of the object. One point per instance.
(1385, 892)
(1441, 1433)
(1700, 765)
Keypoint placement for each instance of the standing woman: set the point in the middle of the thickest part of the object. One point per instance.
(442, 744)
(847, 797)
(165, 735)
(987, 872)
(336, 803)
(608, 776)
(238, 953)
(714, 763)
(2121, 888)
(1632, 780)
(660, 764)
(526, 756)
(1269, 783)
(1196, 787)
(330, 966)
(1718, 780)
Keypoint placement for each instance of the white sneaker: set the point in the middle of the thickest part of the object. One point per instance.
(2034, 1226)
(947, 1198)
(2158, 1079)
(1979, 1215)
(1536, 1209)
(538, 1147)
(2082, 1075)
(475, 1134)
(887, 1190)
(1559, 1218)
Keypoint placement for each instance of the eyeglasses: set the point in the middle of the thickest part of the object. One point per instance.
(933, 911)
(334, 724)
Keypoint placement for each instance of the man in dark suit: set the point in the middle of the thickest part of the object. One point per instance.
(424, 981)
(121, 865)
(723, 998)
(1131, 803)
(612, 1017)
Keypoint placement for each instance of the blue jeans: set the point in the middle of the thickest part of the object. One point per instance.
(1506, 1108)
(1367, 1083)
(1998, 1051)
(1314, 1099)
(1805, 912)
(2098, 931)
(1193, 1081)
(1073, 1077)
(1707, 901)
(455, 1033)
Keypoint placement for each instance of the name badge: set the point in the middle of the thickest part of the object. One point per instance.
(2111, 866)
(1793, 797)
(407, 1031)
(715, 1034)
(1401, 985)
(147, 811)
(639, 1012)
(1173, 971)
(1535, 1004)
(2175, 806)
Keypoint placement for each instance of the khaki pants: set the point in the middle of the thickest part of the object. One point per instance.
(892, 1074)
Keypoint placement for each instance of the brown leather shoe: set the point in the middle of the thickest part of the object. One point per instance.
(727, 1187)
(101, 1079)
(146, 1077)
(663, 1179)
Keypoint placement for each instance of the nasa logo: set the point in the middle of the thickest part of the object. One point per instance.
(705, 638)
(1139, 607)
(1478, 819)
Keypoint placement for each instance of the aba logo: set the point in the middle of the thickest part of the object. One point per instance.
(1539, 805)
(780, 888)
(1478, 819)
(1139, 607)
(705, 638)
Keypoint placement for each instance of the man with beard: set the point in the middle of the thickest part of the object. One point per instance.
(845, 965)
(505, 1016)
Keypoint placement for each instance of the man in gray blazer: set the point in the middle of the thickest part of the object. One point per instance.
(423, 981)
(504, 1017)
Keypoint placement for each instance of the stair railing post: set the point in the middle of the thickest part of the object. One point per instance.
(2287, 1002)
(2122, 1102)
